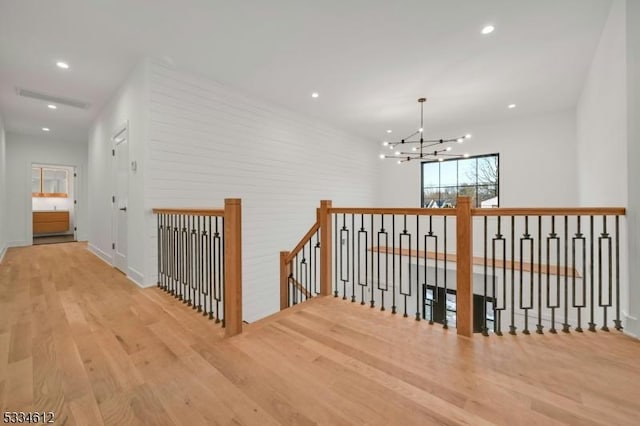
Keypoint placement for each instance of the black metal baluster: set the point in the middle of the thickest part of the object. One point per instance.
(200, 256)
(176, 257)
(315, 263)
(618, 323)
(335, 252)
(604, 236)
(353, 258)
(296, 276)
(485, 329)
(361, 251)
(418, 266)
(218, 244)
(404, 235)
(344, 269)
(372, 301)
(539, 326)
(579, 237)
(309, 268)
(553, 306)
(384, 233)
(393, 264)
(499, 238)
(565, 325)
(512, 326)
(221, 255)
(429, 235)
(159, 229)
(183, 261)
(592, 324)
(210, 266)
(445, 321)
(526, 237)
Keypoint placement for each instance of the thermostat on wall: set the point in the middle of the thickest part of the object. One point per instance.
(134, 166)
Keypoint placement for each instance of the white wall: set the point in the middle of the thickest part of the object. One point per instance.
(22, 152)
(602, 121)
(537, 162)
(208, 142)
(633, 162)
(128, 105)
(3, 186)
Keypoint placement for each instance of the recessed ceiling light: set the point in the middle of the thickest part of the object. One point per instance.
(511, 106)
(488, 29)
(63, 65)
(45, 129)
(315, 94)
(52, 106)
(389, 131)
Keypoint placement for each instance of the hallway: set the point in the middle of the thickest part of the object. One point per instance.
(80, 340)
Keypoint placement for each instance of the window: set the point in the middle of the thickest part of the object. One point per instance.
(444, 181)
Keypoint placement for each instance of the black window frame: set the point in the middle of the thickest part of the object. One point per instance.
(457, 186)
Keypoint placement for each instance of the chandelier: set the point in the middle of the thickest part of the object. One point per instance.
(412, 148)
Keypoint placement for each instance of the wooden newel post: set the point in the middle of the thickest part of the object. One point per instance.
(232, 266)
(464, 240)
(284, 280)
(325, 247)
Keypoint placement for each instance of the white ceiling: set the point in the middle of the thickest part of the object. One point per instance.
(369, 59)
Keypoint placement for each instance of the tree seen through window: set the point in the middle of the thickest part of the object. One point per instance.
(477, 177)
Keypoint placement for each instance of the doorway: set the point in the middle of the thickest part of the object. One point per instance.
(120, 198)
(53, 203)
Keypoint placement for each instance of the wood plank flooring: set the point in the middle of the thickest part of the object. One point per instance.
(77, 338)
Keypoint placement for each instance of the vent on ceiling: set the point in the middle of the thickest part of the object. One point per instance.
(57, 100)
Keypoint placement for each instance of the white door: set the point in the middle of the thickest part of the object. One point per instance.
(120, 199)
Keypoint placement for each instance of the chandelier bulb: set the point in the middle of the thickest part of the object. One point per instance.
(421, 130)
(382, 156)
(385, 143)
(449, 148)
(468, 136)
(466, 155)
(441, 159)
(399, 162)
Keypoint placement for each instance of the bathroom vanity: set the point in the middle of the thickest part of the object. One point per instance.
(50, 221)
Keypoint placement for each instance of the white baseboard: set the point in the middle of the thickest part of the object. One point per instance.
(107, 258)
(3, 250)
(20, 243)
(137, 277)
(632, 326)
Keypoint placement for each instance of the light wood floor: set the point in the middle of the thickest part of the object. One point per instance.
(79, 339)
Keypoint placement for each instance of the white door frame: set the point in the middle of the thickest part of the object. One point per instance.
(76, 195)
(122, 131)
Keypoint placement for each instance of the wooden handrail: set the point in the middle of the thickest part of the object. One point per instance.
(189, 211)
(549, 211)
(301, 288)
(391, 210)
(302, 242)
(500, 211)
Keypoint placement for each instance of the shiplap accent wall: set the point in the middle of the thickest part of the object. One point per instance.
(208, 142)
